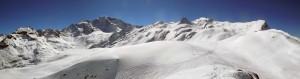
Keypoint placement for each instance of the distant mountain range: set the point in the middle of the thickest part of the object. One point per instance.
(254, 44)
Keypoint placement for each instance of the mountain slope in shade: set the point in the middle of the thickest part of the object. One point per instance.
(108, 48)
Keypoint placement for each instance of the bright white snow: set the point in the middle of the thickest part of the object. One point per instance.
(200, 49)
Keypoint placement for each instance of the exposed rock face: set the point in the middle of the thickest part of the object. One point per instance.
(3, 44)
(80, 29)
(49, 33)
(184, 21)
(104, 24)
(20, 48)
(265, 26)
(240, 74)
(108, 24)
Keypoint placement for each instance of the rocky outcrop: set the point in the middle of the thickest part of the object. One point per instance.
(49, 33)
(104, 24)
(108, 24)
(26, 30)
(240, 74)
(265, 26)
(79, 29)
(3, 44)
(184, 21)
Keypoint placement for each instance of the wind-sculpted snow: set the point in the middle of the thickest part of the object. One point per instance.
(109, 48)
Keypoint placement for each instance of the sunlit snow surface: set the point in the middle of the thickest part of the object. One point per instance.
(225, 51)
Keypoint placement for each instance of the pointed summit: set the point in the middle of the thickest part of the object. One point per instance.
(184, 21)
(103, 23)
(265, 25)
(80, 28)
(109, 24)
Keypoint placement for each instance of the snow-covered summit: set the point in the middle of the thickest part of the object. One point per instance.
(104, 24)
(25, 30)
(109, 24)
(202, 20)
(82, 28)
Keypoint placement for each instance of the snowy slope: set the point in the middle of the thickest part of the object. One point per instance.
(108, 48)
(160, 60)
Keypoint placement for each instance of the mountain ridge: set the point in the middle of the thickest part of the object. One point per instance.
(107, 32)
(180, 47)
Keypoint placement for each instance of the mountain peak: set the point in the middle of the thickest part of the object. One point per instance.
(203, 19)
(263, 25)
(184, 21)
(109, 24)
(107, 19)
(25, 30)
(103, 23)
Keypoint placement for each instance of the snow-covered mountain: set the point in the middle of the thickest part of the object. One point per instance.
(109, 48)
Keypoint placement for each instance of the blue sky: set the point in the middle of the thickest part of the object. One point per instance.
(57, 14)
